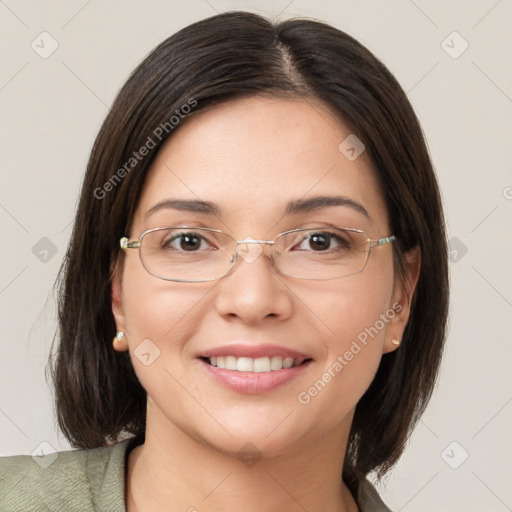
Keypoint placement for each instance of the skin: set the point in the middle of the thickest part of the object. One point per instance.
(251, 157)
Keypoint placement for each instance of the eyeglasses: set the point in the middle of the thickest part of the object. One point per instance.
(189, 254)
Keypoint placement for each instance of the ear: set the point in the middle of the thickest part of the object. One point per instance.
(117, 307)
(402, 299)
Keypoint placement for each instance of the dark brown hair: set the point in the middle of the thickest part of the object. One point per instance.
(98, 397)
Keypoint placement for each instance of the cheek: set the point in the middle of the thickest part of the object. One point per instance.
(160, 317)
(364, 313)
(352, 306)
(356, 314)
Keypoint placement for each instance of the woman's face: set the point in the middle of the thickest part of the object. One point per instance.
(251, 158)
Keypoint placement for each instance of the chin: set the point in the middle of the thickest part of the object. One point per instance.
(253, 446)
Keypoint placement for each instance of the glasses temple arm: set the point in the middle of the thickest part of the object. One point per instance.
(126, 244)
(385, 240)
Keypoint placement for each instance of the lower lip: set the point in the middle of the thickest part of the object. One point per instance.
(254, 382)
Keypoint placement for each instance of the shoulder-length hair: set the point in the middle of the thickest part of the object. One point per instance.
(98, 397)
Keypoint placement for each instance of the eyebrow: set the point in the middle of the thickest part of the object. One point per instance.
(293, 207)
(188, 205)
(320, 202)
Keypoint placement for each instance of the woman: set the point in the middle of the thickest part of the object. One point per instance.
(260, 231)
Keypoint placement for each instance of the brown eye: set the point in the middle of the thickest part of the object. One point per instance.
(320, 241)
(323, 241)
(188, 242)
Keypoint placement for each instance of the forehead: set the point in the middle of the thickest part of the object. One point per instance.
(252, 157)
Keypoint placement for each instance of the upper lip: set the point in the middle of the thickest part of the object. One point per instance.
(253, 351)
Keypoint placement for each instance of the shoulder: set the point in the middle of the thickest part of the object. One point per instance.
(70, 480)
(369, 500)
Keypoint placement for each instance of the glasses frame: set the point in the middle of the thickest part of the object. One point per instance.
(125, 243)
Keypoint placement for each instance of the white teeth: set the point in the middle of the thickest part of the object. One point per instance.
(244, 364)
(276, 363)
(262, 364)
(230, 363)
(288, 362)
(258, 365)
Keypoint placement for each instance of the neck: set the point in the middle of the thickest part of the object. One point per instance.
(172, 471)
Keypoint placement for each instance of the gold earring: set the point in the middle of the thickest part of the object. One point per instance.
(395, 341)
(119, 342)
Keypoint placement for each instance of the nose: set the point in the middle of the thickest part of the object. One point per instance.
(254, 290)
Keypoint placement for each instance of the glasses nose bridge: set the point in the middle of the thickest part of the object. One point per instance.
(251, 241)
(252, 254)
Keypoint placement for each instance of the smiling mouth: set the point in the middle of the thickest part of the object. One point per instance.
(254, 365)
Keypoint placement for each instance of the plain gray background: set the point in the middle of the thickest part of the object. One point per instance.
(459, 458)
